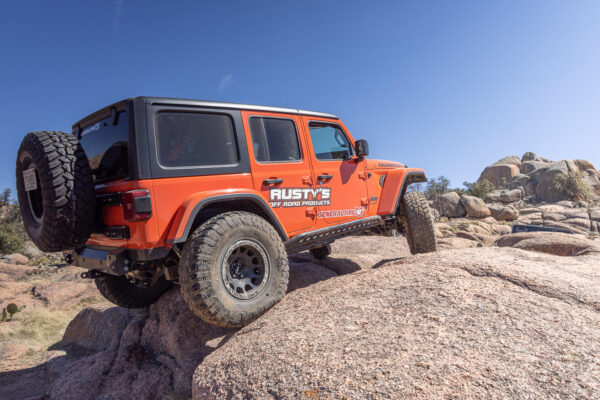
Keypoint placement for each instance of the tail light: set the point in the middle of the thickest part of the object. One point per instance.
(136, 205)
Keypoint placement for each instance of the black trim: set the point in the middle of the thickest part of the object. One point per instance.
(224, 198)
(109, 199)
(115, 261)
(321, 237)
(117, 232)
(159, 171)
(410, 178)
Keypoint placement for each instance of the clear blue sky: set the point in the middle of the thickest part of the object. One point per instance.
(450, 86)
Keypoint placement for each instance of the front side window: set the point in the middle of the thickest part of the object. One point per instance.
(329, 141)
(274, 140)
(188, 139)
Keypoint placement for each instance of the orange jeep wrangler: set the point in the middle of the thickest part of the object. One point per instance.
(150, 192)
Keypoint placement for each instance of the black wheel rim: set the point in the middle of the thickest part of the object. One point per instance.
(35, 199)
(245, 269)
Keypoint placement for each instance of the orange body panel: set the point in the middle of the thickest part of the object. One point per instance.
(356, 185)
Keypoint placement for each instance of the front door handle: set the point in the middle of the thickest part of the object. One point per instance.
(324, 177)
(272, 181)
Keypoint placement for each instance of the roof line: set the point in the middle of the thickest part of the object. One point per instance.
(205, 103)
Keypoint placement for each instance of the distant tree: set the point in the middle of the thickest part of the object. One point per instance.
(479, 189)
(436, 187)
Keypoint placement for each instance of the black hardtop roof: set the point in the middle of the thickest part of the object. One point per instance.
(106, 111)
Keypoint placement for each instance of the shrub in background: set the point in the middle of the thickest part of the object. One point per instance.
(436, 187)
(571, 185)
(12, 230)
(479, 189)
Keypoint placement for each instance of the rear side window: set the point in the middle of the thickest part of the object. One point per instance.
(187, 139)
(105, 144)
(329, 142)
(274, 139)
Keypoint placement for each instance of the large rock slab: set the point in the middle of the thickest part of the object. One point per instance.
(558, 244)
(453, 324)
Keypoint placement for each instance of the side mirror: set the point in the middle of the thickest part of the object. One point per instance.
(362, 148)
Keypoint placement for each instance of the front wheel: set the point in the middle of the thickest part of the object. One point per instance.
(418, 223)
(233, 268)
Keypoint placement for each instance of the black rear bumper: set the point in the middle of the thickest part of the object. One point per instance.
(116, 261)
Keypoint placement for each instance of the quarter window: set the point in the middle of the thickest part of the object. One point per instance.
(188, 139)
(274, 139)
(329, 142)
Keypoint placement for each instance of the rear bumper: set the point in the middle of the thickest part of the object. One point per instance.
(115, 261)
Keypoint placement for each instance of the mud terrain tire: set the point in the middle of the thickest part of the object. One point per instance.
(320, 253)
(418, 223)
(120, 291)
(233, 268)
(60, 213)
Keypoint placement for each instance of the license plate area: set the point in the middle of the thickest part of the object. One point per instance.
(30, 180)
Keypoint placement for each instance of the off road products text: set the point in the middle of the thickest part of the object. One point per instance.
(299, 197)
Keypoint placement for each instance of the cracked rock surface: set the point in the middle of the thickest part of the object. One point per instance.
(473, 323)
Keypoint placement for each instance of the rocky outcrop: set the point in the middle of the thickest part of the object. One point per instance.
(449, 205)
(566, 214)
(534, 176)
(475, 207)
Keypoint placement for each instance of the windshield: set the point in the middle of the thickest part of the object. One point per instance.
(105, 145)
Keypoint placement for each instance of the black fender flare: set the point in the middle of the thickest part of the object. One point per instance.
(410, 178)
(224, 198)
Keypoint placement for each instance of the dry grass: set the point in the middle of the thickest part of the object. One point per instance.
(25, 340)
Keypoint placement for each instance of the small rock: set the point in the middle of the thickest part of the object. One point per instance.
(15, 258)
(501, 212)
(529, 156)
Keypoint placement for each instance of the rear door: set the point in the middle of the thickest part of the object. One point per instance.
(336, 170)
(281, 169)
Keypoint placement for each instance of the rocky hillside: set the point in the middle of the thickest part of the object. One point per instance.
(526, 193)
(369, 322)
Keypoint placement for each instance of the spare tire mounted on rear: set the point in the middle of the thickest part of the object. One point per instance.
(56, 190)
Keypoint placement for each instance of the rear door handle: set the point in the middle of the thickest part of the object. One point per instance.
(324, 177)
(273, 181)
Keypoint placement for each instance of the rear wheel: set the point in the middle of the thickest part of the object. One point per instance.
(418, 223)
(56, 190)
(233, 268)
(121, 291)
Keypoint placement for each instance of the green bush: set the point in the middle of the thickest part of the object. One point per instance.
(12, 230)
(479, 189)
(571, 185)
